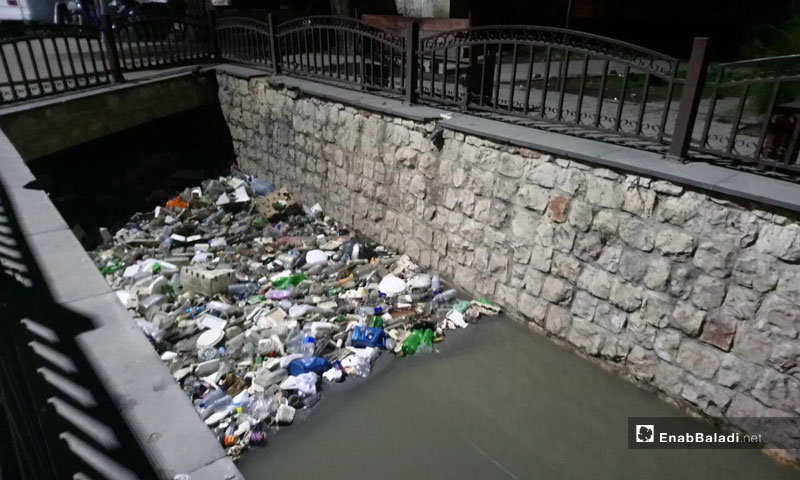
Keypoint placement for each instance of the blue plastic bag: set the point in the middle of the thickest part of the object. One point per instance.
(308, 364)
(368, 337)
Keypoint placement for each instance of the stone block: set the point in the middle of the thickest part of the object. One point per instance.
(595, 281)
(688, 319)
(708, 292)
(699, 360)
(558, 321)
(556, 290)
(780, 241)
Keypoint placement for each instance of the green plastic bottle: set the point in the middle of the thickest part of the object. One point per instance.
(292, 279)
(411, 343)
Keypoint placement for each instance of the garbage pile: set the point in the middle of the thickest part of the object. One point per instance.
(254, 301)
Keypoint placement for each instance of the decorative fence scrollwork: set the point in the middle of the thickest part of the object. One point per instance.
(342, 50)
(553, 75)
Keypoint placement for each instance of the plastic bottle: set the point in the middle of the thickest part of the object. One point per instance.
(419, 340)
(308, 344)
(243, 289)
(445, 296)
(412, 342)
(294, 340)
(212, 397)
(366, 311)
(436, 284)
(426, 345)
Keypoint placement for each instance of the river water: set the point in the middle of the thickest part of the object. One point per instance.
(496, 402)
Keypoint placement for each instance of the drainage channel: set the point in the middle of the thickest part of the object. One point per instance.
(495, 402)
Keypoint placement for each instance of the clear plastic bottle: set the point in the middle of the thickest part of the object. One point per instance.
(445, 296)
(436, 284)
(308, 345)
(293, 341)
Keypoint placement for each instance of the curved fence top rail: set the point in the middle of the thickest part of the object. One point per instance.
(242, 22)
(28, 32)
(603, 47)
(759, 69)
(340, 23)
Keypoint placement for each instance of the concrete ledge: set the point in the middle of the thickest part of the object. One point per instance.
(744, 185)
(158, 413)
(42, 127)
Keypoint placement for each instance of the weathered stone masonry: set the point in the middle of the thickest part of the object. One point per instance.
(695, 295)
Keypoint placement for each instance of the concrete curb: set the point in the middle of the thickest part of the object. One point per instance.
(157, 411)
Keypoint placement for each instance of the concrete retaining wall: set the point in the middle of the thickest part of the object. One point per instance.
(693, 294)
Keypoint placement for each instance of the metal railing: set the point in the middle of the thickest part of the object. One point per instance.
(753, 112)
(552, 75)
(246, 40)
(162, 42)
(57, 420)
(342, 50)
(580, 83)
(42, 60)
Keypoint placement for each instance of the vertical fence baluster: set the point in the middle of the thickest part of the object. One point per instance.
(790, 150)
(545, 81)
(601, 96)
(738, 119)
(562, 78)
(765, 123)
(457, 73)
(690, 99)
(668, 101)
(23, 71)
(498, 66)
(584, 71)
(11, 83)
(622, 93)
(51, 81)
(35, 66)
(512, 85)
(528, 79)
(645, 91)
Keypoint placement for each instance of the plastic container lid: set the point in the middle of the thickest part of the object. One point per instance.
(210, 338)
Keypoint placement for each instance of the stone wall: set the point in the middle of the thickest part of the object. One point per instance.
(694, 295)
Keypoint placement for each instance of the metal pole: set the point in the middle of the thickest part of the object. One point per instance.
(412, 62)
(273, 46)
(690, 99)
(107, 31)
(569, 10)
(212, 25)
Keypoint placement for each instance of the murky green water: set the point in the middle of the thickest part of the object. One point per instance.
(497, 402)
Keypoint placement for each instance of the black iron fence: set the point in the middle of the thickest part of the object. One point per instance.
(343, 50)
(162, 42)
(551, 75)
(746, 112)
(48, 59)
